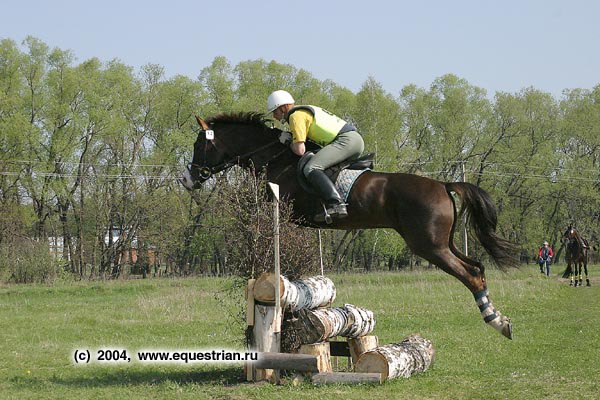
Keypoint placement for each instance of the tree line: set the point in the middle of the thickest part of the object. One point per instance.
(93, 147)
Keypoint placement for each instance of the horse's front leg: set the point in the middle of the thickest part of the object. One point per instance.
(573, 282)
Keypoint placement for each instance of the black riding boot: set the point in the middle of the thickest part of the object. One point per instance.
(329, 194)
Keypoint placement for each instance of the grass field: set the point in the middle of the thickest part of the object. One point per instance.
(555, 353)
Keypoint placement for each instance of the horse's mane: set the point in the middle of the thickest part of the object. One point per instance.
(248, 118)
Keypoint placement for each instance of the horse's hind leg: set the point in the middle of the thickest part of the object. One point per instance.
(473, 277)
(587, 278)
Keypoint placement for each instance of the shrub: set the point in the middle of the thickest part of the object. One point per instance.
(27, 261)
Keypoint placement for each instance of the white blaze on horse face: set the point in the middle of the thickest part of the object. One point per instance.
(186, 179)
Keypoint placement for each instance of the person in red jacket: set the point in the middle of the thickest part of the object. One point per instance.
(545, 255)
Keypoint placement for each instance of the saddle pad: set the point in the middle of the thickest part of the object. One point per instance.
(345, 181)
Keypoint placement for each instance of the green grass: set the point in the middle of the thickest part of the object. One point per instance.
(554, 353)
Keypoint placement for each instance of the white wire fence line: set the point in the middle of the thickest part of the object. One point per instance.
(179, 165)
(108, 176)
(552, 178)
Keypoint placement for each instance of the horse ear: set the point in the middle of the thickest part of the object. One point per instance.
(202, 123)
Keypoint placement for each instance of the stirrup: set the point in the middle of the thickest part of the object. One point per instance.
(324, 216)
(337, 211)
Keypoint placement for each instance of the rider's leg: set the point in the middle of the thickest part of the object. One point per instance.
(327, 191)
(346, 146)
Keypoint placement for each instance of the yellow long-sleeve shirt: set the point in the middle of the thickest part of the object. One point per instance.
(299, 122)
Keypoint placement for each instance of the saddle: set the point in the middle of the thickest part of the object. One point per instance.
(362, 163)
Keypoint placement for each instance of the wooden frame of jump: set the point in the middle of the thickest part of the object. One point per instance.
(314, 359)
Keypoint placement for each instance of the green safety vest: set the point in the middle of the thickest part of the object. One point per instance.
(325, 127)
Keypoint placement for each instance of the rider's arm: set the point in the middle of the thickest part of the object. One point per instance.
(300, 122)
(298, 148)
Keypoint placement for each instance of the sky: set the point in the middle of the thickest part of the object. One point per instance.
(501, 46)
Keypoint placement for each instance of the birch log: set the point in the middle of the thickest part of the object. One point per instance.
(313, 326)
(413, 355)
(306, 293)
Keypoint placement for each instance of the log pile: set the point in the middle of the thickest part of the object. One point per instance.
(300, 341)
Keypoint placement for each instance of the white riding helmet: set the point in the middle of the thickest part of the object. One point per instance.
(279, 98)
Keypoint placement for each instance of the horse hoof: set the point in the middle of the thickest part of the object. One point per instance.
(507, 331)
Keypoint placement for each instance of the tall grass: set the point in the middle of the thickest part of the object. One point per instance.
(554, 353)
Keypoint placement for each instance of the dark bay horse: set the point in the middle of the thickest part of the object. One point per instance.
(420, 209)
(576, 255)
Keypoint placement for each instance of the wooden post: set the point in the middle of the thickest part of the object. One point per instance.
(321, 252)
(288, 361)
(360, 345)
(266, 331)
(324, 378)
(264, 340)
(250, 303)
(322, 352)
(277, 323)
(248, 368)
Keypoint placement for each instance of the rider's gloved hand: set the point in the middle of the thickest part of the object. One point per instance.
(285, 137)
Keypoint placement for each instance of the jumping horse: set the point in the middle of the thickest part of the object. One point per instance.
(421, 210)
(576, 255)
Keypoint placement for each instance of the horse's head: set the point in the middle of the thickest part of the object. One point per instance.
(227, 140)
(568, 235)
(571, 237)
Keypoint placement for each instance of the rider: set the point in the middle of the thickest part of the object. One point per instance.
(339, 141)
(545, 255)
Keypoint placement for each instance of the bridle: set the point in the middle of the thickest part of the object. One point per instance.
(572, 238)
(205, 172)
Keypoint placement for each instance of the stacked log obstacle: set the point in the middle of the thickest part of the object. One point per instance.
(302, 341)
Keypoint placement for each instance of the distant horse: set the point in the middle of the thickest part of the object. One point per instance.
(420, 209)
(576, 255)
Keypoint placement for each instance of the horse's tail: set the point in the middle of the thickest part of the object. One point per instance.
(482, 216)
(567, 272)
